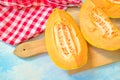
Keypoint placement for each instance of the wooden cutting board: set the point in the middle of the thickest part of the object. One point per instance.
(96, 57)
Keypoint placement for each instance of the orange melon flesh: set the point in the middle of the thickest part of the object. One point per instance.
(97, 28)
(110, 7)
(64, 41)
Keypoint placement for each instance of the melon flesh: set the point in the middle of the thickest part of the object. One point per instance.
(97, 28)
(110, 7)
(64, 41)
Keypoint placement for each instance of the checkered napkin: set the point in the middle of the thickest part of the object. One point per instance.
(23, 19)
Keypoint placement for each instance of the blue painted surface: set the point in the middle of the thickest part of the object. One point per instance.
(42, 68)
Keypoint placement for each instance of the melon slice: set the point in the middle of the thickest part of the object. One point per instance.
(97, 28)
(64, 41)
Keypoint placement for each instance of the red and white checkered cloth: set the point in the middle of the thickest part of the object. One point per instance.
(23, 19)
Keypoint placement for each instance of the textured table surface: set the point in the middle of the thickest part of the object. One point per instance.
(42, 68)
